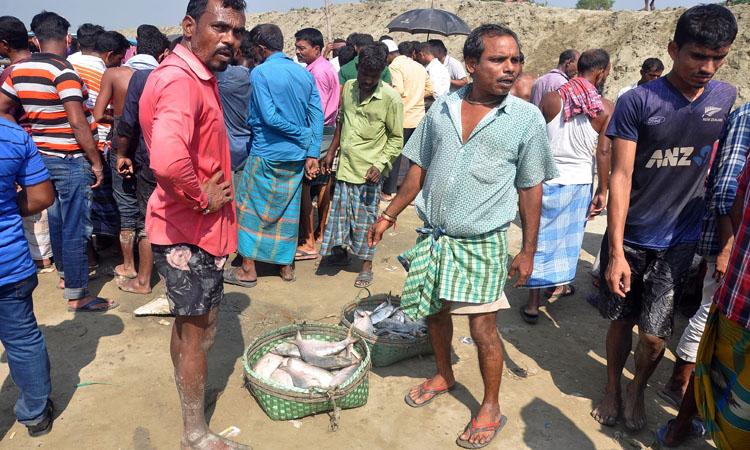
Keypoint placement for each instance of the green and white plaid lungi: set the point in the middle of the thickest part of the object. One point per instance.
(468, 269)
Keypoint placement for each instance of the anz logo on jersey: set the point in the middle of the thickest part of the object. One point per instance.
(678, 157)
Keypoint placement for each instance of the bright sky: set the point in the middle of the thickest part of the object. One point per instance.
(131, 13)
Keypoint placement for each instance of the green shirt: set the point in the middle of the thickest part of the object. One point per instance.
(471, 187)
(372, 132)
(349, 72)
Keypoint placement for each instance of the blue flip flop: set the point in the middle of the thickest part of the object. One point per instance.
(699, 429)
(97, 301)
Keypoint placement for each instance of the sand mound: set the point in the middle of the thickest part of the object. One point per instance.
(629, 36)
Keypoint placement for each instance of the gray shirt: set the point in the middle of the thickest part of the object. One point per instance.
(234, 92)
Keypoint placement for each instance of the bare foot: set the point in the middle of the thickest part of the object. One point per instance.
(125, 272)
(133, 285)
(608, 410)
(287, 273)
(210, 441)
(486, 416)
(635, 408)
(244, 275)
(437, 382)
(61, 283)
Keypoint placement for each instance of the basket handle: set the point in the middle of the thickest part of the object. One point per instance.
(358, 298)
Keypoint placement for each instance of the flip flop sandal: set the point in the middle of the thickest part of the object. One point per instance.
(97, 301)
(424, 390)
(699, 429)
(363, 280)
(230, 276)
(289, 280)
(304, 256)
(569, 290)
(495, 426)
(528, 318)
(593, 300)
(46, 268)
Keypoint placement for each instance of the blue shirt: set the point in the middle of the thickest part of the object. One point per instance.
(285, 111)
(471, 187)
(721, 186)
(19, 163)
(234, 92)
(674, 138)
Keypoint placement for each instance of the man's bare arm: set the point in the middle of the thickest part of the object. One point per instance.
(735, 214)
(35, 198)
(530, 210)
(82, 131)
(6, 105)
(603, 159)
(105, 96)
(620, 182)
(459, 83)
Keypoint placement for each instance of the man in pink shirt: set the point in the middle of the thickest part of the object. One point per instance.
(309, 47)
(189, 221)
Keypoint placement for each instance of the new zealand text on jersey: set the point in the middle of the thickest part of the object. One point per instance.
(675, 157)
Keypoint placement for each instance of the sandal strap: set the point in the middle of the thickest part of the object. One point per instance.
(423, 389)
(481, 429)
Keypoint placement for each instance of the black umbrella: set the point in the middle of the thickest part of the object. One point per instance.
(429, 21)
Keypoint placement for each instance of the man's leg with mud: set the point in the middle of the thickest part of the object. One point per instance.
(307, 216)
(619, 343)
(192, 338)
(484, 332)
(440, 330)
(127, 241)
(648, 353)
(141, 284)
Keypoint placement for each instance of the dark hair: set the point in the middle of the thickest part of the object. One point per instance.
(652, 64)
(384, 37)
(246, 45)
(373, 58)
(474, 45)
(87, 35)
(406, 48)
(567, 55)
(438, 48)
(111, 41)
(339, 41)
(196, 8)
(346, 54)
(151, 41)
(712, 26)
(13, 31)
(521, 57)
(424, 47)
(176, 41)
(313, 36)
(359, 40)
(49, 26)
(593, 60)
(268, 35)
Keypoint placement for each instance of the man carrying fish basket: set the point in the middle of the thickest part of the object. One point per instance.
(478, 153)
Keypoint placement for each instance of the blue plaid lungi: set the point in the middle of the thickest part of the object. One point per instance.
(565, 210)
(105, 216)
(355, 207)
(268, 205)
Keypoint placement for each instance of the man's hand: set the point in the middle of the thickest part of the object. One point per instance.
(523, 263)
(124, 166)
(98, 174)
(375, 233)
(618, 276)
(372, 175)
(722, 261)
(219, 194)
(326, 164)
(311, 168)
(598, 203)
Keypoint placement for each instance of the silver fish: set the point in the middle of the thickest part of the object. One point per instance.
(321, 348)
(265, 366)
(324, 362)
(383, 311)
(399, 315)
(362, 322)
(282, 377)
(343, 375)
(307, 374)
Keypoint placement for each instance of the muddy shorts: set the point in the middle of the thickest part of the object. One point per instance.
(193, 278)
(656, 280)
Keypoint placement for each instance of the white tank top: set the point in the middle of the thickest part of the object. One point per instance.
(573, 145)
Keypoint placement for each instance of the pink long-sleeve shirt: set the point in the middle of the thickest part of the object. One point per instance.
(187, 141)
(327, 82)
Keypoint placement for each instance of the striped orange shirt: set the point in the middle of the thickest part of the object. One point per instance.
(42, 85)
(91, 69)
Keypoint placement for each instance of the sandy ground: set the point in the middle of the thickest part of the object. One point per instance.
(554, 371)
(629, 36)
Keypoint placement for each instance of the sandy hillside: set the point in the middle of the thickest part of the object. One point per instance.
(629, 36)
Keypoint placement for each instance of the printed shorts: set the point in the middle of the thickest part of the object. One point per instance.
(193, 278)
(656, 280)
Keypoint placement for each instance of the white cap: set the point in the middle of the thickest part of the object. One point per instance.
(392, 47)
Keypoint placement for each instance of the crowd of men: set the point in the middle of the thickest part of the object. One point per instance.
(217, 142)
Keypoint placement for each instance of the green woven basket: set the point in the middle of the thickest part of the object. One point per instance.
(384, 350)
(285, 403)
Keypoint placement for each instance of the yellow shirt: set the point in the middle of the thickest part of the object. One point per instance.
(411, 81)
